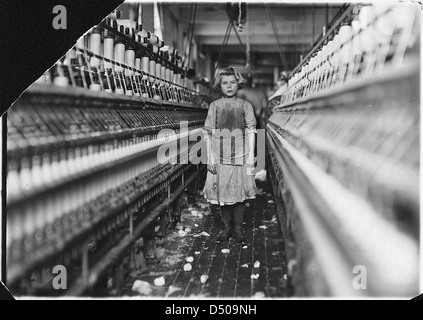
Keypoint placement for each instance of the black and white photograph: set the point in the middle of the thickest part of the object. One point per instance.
(228, 152)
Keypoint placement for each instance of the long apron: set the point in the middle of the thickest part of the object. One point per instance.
(228, 123)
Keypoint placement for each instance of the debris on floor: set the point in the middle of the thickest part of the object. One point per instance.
(204, 278)
(193, 265)
(255, 276)
(142, 287)
(172, 290)
(159, 282)
(188, 267)
(259, 295)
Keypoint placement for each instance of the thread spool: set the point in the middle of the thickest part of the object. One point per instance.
(385, 22)
(366, 16)
(144, 33)
(355, 45)
(172, 75)
(163, 73)
(130, 33)
(119, 54)
(61, 81)
(138, 39)
(28, 220)
(145, 36)
(15, 230)
(116, 14)
(128, 23)
(53, 172)
(70, 56)
(129, 60)
(170, 54)
(95, 47)
(164, 53)
(345, 34)
(158, 70)
(13, 185)
(152, 69)
(138, 75)
(382, 8)
(368, 40)
(108, 51)
(404, 12)
(138, 63)
(111, 22)
(95, 87)
(145, 62)
(168, 75)
(25, 175)
(335, 50)
(155, 49)
(154, 40)
(80, 43)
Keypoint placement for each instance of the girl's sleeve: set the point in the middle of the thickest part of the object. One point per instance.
(250, 119)
(210, 124)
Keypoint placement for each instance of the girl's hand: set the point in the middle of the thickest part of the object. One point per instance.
(250, 163)
(249, 166)
(212, 168)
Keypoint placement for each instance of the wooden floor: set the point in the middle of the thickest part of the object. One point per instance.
(257, 270)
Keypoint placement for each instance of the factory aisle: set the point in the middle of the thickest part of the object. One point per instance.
(257, 270)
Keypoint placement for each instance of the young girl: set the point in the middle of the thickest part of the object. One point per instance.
(229, 132)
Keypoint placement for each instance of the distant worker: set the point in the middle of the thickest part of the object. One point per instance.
(258, 100)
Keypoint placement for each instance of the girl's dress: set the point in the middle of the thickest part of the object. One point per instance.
(228, 123)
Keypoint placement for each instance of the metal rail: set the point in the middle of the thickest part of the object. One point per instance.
(344, 146)
(116, 255)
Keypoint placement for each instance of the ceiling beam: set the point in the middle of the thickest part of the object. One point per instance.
(217, 12)
(260, 28)
(257, 40)
(264, 48)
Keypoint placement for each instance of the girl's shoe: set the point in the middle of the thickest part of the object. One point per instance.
(238, 221)
(239, 237)
(152, 262)
(226, 215)
(224, 236)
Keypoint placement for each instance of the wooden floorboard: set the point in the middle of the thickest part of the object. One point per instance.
(259, 285)
(229, 274)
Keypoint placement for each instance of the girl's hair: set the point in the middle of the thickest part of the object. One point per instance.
(229, 71)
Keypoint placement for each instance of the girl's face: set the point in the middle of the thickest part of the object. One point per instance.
(229, 86)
